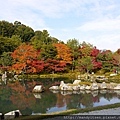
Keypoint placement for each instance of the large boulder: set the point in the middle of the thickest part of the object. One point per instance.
(38, 88)
(62, 83)
(76, 82)
(12, 114)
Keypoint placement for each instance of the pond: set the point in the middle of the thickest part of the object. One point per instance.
(18, 95)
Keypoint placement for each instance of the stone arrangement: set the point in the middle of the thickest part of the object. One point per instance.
(94, 86)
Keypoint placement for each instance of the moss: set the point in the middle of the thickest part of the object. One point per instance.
(85, 83)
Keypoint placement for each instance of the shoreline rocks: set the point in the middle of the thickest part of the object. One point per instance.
(76, 86)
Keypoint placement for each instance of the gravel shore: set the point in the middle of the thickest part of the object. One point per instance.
(112, 111)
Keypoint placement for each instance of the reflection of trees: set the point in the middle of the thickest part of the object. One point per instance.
(74, 101)
(17, 87)
(20, 97)
(5, 103)
(47, 101)
(22, 101)
(86, 100)
(60, 100)
(108, 95)
(5, 93)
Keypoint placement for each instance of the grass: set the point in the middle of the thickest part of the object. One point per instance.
(67, 112)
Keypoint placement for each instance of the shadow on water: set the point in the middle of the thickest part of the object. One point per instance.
(18, 95)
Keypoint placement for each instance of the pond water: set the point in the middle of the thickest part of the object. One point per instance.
(18, 95)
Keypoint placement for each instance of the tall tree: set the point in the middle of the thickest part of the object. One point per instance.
(25, 32)
(116, 60)
(85, 64)
(106, 58)
(73, 44)
(6, 29)
(85, 49)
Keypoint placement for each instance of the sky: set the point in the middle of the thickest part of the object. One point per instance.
(94, 21)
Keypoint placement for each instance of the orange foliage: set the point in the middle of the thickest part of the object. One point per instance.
(24, 52)
(23, 56)
(18, 67)
(63, 52)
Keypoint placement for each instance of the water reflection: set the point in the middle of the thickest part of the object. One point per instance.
(19, 96)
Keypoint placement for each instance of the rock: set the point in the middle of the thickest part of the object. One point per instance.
(94, 86)
(111, 86)
(54, 88)
(88, 87)
(76, 87)
(82, 87)
(77, 82)
(12, 114)
(38, 88)
(70, 88)
(103, 85)
(64, 86)
(117, 87)
(62, 83)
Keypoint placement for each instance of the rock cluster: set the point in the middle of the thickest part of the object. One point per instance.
(76, 86)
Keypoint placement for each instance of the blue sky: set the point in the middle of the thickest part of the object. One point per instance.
(94, 21)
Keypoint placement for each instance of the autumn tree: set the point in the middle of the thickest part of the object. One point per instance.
(23, 55)
(96, 63)
(36, 66)
(63, 53)
(52, 65)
